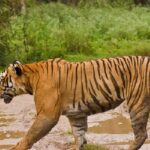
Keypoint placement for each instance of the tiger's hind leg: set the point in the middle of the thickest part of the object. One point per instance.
(139, 119)
(79, 127)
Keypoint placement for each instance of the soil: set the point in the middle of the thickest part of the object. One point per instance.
(111, 129)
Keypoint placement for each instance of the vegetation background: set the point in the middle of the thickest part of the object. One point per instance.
(32, 30)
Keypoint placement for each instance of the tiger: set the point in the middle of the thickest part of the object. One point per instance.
(80, 89)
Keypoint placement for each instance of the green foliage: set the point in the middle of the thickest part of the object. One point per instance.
(76, 33)
(106, 3)
(4, 32)
(69, 132)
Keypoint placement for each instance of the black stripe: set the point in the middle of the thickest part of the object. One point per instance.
(116, 66)
(122, 64)
(138, 94)
(90, 108)
(106, 96)
(7, 83)
(96, 101)
(41, 65)
(67, 72)
(98, 68)
(76, 79)
(70, 66)
(110, 62)
(122, 77)
(130, 58)
(146, 71)
(128, 67)
(71, 77)
(118, 60)
(36, 68)
(92, 88)
(86, 82)
(94, 76)
(132, 88)
(142, 59)
(59, 71)
(83, 96)
(115, 85)
(104, 66)
(106, 86)
(37, 82)
(29, 68)
(51, 67)
(124, 73)
(79, 106)
(135, 66)
(109, 66)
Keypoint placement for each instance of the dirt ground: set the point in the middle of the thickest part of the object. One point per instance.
(111, 129)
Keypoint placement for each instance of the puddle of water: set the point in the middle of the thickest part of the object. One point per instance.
(3, 125)
(4, 115)
(117, 125)
(5, 120)
(11, 134)
(5, 147)
(126, 143)
(8, 120)
(119, 143)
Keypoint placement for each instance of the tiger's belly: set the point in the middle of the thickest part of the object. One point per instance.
(89, 108)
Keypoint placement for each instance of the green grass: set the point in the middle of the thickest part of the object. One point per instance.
(94, 147)
(88, 146)
(69, 132)
(79, 33)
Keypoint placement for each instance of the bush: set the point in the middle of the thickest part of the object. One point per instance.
(4, 33)
(56, 30)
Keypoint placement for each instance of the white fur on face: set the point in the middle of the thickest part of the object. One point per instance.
(2, 75)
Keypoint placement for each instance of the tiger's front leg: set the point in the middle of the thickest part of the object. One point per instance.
(41, 126)
(48, 108)
(79, 127)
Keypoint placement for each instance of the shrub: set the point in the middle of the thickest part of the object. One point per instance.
(56, 30)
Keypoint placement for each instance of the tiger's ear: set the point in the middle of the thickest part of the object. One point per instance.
(17, 68)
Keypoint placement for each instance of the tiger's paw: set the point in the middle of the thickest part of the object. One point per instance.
(19, 146)
(14, 148)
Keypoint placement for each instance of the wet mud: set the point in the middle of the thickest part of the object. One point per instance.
(111, 129)
(117, 125)
(11, 134)
(4, 120)
(5, 147)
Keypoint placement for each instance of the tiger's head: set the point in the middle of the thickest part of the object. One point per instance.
(12, 82)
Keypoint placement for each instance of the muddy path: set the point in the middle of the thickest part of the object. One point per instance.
(111, 129)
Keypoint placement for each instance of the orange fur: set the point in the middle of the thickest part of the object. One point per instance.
(81, 89)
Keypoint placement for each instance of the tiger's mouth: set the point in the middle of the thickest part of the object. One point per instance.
(7, 95)
(7, 98)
